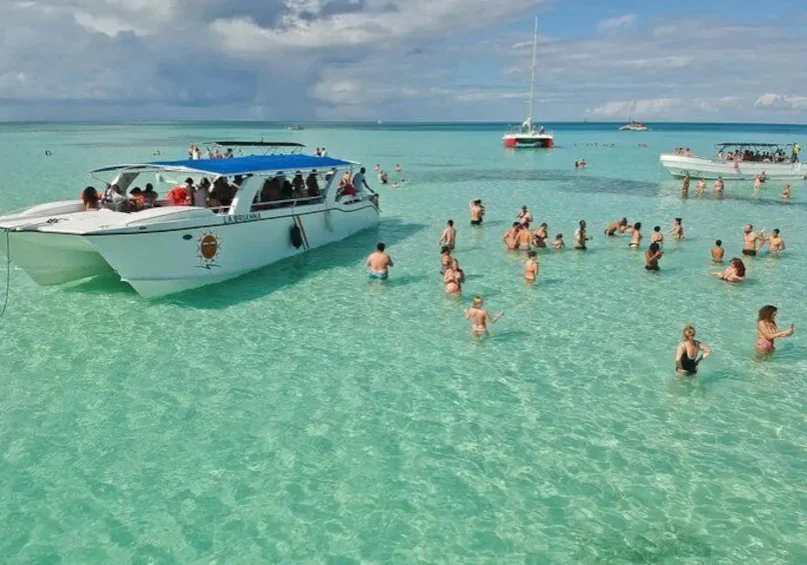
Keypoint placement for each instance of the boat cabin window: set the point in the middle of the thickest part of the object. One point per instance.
(297, 189)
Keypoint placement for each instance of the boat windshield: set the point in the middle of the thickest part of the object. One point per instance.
(756, 152)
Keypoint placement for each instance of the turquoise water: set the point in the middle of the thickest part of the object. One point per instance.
(303, 414)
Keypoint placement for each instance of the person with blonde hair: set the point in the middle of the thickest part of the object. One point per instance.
(690, 353)
(480, 317)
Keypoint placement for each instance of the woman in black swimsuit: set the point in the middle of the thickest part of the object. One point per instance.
(688, 354)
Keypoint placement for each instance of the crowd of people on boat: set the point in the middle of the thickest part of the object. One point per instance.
(740, 155)
(520, 238)
(195, 154)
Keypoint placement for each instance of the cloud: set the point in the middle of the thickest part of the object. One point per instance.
(621, 22)
(782, 102)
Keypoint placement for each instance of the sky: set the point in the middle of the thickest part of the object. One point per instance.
(402, 60)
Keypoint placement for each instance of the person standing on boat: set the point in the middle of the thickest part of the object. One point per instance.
(360, 181)
(379, 263)
(449, 236)
(690, 353)
(750, 239)
(768, 331)
(477, 212)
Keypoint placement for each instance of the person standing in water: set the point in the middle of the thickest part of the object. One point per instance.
(453, 278)
(510, 237)
(690, 353)
(379, 263)
(735, 272)
(523, 216)
(479, 317)
(636, 236)
(768, 331)
(558, 244)
(540, 235)
(477, 212)
(701, 187)
(657, 236)
(717, 252)
(524, 237)
(580, 237)
(445, 258)
(718, 188)
(652, 256)
(677, 230)
(531, 267)
(775, 243)
(786, 192)
(449, 236)
(685, 186)
(750, 239)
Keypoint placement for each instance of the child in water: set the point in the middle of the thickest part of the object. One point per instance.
(558, 244)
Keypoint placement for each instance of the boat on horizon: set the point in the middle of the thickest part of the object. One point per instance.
(172, 248)
(632, 124)
(737, 161)
(528, 135)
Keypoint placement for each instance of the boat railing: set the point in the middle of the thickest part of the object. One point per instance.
(271, 204)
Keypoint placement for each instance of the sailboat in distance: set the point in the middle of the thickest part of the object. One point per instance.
(633, 125)
(528, 135)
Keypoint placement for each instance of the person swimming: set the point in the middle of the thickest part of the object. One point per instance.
(379, 263)
(636, 236)
(652, 256)
(768, 331)
(717, 252)
(618, 226)
(690, 353)
(480, 317)
(735, 272)
(531, 267)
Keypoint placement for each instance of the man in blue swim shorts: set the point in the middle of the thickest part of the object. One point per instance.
(379, 263)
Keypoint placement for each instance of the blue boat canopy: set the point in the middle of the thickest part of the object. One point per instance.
(253, 164)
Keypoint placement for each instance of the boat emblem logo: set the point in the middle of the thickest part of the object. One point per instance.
(209, 247)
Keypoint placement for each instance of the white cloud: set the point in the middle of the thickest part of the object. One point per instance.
(782, 102)
(620, 22)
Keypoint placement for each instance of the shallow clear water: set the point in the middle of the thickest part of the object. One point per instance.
(304, 414)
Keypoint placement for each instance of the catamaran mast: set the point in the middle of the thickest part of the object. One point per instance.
(632, 110)
(532, 79)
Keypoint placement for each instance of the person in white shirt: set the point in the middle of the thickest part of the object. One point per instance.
(360, 182)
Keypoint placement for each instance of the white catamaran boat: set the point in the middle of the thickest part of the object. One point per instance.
(170, 248)
(632, 124)
(737, 161)
(528, 135)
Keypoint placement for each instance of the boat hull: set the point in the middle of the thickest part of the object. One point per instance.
(680, 166)
(183, 259)
(51, 258)
(526, 141)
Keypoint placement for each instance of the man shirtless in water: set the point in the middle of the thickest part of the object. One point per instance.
(449, 236)
(510, 237)
(477, 212)
(750, 239)
(379, 263)
(480, 317)
(775, 243)
(524, 237)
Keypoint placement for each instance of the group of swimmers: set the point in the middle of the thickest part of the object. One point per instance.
(519, 237)
(383, 176)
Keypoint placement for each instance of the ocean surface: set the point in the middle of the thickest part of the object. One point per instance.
(302, 414)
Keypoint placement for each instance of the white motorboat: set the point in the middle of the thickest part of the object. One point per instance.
(528, 135)
(172, 248)
(737, 161)
(632, 124)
